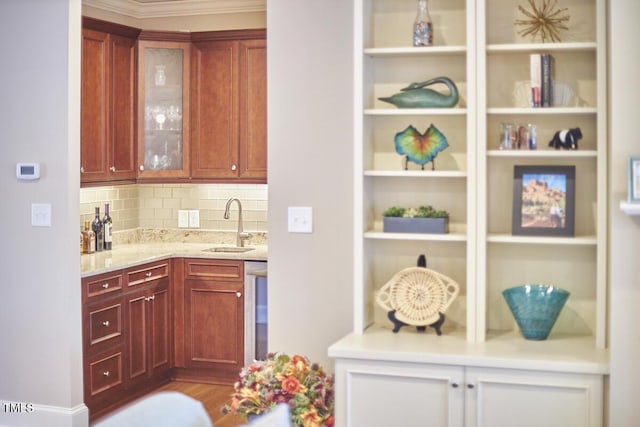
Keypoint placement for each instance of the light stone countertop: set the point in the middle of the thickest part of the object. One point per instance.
(146, 246)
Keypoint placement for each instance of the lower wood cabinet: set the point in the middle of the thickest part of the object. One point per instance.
(415, 394)
(127, 334)
(213, 319)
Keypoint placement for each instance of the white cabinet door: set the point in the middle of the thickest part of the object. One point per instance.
(507, 398)
(398, 394)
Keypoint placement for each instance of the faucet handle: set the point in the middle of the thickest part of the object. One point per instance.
(244, 235)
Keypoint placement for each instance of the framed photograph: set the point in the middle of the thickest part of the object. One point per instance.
(634, 179)
(543, 200)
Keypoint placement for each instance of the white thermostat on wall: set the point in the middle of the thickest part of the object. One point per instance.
(28, 171)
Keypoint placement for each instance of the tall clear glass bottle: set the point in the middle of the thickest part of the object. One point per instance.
(423, 26)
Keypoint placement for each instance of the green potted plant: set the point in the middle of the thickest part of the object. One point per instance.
(424, 219)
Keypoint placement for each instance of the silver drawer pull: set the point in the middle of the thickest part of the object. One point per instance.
(148, 274)
(112, 168)
(105, 323)
(238, 294)
(106, 373)
(233, 167)
(105, 286)
(141, 168)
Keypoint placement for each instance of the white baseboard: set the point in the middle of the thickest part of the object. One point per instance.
(34, 415)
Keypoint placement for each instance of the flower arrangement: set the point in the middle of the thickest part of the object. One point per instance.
(421, 212)
(281, 378)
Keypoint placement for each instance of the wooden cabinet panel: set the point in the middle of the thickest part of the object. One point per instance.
(229, 107)
(214, 132)
(95, 286)
(214, 315)
(105, 322)
(94, 104)
(253, 109)
(147, 273)
(160, 330)
(107, 148)
(104, 373)
(137, 335)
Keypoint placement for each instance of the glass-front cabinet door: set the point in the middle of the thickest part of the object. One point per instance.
(163, 103)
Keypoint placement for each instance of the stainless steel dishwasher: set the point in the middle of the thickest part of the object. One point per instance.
(255, 311)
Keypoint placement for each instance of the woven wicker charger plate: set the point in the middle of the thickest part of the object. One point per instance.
(418, 295)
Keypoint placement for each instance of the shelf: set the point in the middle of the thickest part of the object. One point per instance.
(503, 349)
(542, 47)
(415, 112)
(542, 153)
(537, 240)
(630, 208)
(382, 52)
(543, 111)
(449, 237)
(415, 174)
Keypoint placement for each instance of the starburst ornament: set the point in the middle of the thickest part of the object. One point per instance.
(545, 21)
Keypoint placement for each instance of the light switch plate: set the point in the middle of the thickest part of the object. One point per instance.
(183, 219)
(41, 214)
(300, 220)
(194, 219)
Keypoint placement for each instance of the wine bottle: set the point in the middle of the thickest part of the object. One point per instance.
(96, 226)
(88, 239)
(107, 225)
(423, 26)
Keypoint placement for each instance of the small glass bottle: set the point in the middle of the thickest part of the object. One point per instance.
(97, 228)
(88, 239)
(107, 225)
(423, 26)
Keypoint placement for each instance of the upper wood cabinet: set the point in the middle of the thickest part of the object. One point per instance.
(107, 148)
(163, 108)
(229, 106)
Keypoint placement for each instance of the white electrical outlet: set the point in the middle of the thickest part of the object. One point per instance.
(194, 219)
(183, 219)
(300, 220)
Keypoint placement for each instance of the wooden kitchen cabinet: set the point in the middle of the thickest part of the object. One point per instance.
(214, 318)
(163, 106)
(229, 106)
(107, 147)
(127, 334)
(148, 323)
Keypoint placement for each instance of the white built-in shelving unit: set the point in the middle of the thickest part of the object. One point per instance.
(477, 46)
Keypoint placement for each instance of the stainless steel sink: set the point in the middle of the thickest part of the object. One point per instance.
(229, 249)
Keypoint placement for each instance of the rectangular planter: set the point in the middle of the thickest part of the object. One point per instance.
(415, 225)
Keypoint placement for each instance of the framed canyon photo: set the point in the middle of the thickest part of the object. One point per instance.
(543, 200)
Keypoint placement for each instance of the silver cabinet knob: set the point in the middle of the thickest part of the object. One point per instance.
(81, 169)
(105, 285)
(238, 294)
(233, 167)
(106, 373)
(455, 385)
(470, 386)
(105, 323)
(141, 168)
(112, 168)
(148, 274)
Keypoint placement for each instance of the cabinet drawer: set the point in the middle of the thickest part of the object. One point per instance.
(102, 285)
(105, 373)
(207, 269)
(146, 273)
(105, 323)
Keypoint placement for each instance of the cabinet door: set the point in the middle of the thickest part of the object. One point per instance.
(121, 154)
(214, 324)
(137, 307)
(396, 394)
(503, 398)
(214, 110)
(163, 109)
(93, 106)
(160, 331)
(253, 109)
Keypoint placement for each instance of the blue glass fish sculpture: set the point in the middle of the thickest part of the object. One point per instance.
(420, 148)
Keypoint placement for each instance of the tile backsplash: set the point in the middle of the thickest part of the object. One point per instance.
(156, 205)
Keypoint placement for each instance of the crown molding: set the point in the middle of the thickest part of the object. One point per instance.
(163, 9)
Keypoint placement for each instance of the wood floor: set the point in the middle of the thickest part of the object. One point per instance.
(212, 396)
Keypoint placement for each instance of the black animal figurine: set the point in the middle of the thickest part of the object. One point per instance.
(567, 139)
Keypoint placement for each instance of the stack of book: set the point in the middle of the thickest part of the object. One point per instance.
(542, 76)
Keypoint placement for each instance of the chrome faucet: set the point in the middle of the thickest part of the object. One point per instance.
(241, 236)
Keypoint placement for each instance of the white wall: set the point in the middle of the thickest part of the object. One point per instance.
(40, 333)
(624, 230)
(310, 164)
